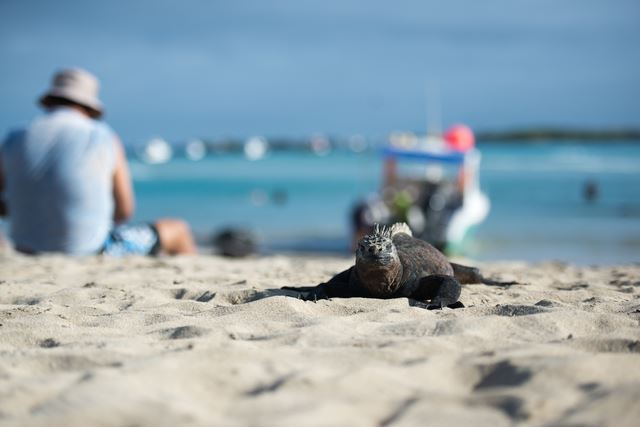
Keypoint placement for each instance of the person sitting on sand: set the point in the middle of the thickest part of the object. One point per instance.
(66, 181)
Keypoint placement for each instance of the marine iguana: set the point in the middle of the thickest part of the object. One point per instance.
(390, 263)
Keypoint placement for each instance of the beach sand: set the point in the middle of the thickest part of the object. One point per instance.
(204, 340)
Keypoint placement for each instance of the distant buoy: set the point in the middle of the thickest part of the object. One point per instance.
(320, 145)
(156, 151)
(255, 148)
(259, 197)
(195, 149)
(357, 143)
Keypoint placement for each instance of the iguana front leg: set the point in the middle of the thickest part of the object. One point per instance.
(339, 287)
(309, 293)
(440, 290)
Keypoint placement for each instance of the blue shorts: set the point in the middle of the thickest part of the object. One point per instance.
(139, 239)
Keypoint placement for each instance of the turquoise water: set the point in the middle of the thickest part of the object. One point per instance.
(300, 201)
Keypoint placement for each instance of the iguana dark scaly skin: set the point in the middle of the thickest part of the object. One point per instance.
(390, 263)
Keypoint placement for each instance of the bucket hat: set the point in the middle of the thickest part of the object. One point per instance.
(75, 85)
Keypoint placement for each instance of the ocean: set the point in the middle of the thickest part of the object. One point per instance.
(300, 201)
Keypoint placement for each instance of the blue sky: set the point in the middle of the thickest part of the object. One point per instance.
(179, 69)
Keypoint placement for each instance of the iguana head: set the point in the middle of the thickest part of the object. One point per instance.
(377, 247)
(377, 262)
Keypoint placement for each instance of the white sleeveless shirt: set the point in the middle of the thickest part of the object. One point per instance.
(59, 183)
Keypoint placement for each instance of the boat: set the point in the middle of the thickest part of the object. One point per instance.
(432, 183)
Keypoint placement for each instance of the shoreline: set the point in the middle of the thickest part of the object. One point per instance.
(210, 341)
(301, 144)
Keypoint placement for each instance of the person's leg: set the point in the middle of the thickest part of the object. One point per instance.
(175, 236)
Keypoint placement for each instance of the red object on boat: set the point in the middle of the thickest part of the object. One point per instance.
(460, 138)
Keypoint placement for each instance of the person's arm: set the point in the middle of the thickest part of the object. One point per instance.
(122, 188)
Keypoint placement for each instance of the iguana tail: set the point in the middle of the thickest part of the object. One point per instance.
(467, 275)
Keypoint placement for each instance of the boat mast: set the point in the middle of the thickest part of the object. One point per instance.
(434, 109)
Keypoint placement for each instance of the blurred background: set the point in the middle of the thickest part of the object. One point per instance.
(269, 116)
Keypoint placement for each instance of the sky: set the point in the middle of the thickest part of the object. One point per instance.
(182, 69)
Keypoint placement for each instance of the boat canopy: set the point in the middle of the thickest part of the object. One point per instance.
(451, 157)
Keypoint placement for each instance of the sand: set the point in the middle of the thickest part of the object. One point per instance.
(206, 341)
